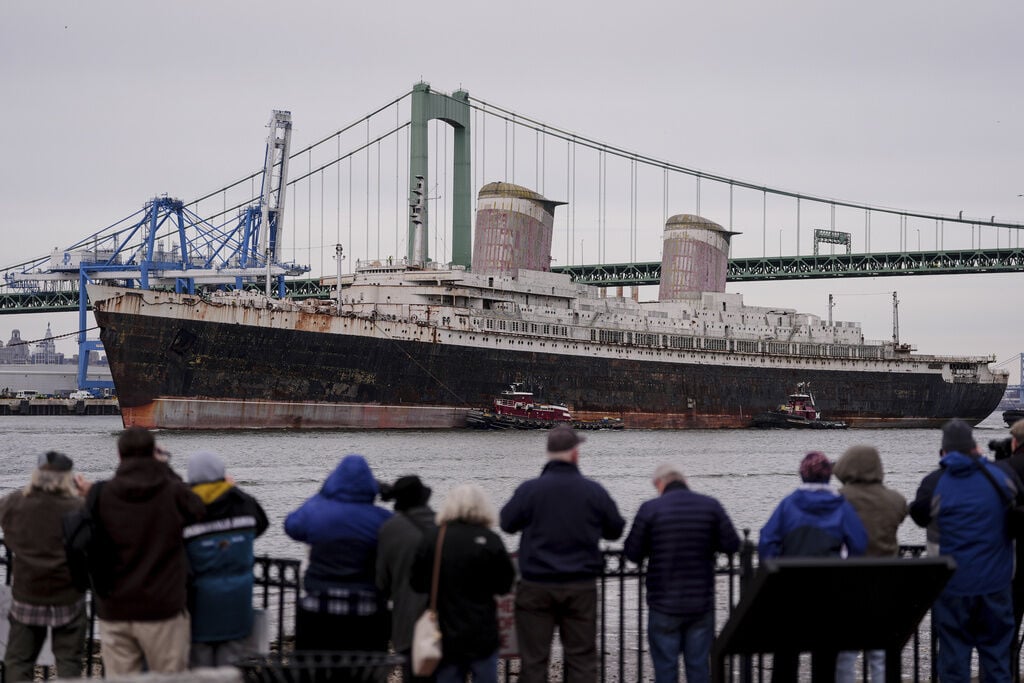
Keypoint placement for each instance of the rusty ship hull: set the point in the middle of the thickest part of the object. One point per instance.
(185, 362)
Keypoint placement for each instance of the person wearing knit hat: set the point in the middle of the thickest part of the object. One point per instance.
(963, 506)
(44, 599)
(220, 552)
(815, 468)
(397, 542)
(813, 521)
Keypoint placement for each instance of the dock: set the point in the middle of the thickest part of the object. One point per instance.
(59, 406)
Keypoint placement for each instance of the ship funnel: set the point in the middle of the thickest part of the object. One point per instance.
(513, 230)
(695, 256)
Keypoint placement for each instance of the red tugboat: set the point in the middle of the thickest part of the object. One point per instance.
(798, 413)
(516, 408)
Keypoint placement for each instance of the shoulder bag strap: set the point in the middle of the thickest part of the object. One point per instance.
(437, 568)
(1007, 501)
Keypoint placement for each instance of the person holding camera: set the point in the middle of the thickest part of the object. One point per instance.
(963, 506)
(1009, 453)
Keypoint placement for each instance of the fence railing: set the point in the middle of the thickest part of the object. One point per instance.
(622, 645)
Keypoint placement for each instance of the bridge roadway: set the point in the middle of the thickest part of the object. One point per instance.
(64, 296)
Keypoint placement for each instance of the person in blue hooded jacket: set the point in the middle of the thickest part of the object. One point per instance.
(340, 608)
(813, 521)
(963, 505)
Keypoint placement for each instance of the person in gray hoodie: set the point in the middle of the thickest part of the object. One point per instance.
(397, 541)
(881, 510)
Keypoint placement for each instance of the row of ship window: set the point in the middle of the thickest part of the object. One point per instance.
(672, 341)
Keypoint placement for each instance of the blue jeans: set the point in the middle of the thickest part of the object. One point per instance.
(670, 635)
(984, 622)
(484, 670)
(874, 661)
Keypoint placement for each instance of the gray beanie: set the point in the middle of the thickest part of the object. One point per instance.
(958, 436)
(204, 467)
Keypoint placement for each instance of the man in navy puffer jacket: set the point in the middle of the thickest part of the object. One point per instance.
(680, 531)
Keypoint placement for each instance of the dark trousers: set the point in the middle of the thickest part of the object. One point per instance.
(24, 643)
(572, 607)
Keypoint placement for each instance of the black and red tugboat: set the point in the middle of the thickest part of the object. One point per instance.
(516, 408)
(799, 412)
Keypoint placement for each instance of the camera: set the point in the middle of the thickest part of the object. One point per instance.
(1001, 448)
(387, 491)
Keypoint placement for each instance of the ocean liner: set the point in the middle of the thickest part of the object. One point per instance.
(417, 345)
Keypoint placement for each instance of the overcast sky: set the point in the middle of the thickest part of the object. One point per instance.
(916, 105)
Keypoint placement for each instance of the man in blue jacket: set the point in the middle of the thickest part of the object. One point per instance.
(964, 505)
(563, 516)
(680, 531)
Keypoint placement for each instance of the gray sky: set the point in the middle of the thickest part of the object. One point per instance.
(914, 105)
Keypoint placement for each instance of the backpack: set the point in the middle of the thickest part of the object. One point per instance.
(88, 547)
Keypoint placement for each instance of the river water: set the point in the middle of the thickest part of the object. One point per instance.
(749, 471)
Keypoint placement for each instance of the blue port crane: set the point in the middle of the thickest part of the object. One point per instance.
(167, 246)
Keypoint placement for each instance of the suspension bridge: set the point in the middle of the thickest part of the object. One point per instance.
(419, 160)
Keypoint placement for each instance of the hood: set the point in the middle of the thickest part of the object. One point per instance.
(817, 498)
(959, 464)
(351, 481)
(859, 465)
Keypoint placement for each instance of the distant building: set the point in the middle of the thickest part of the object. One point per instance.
(16, 350)
(20, 352)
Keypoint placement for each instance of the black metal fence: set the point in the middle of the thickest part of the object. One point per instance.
(622, 645)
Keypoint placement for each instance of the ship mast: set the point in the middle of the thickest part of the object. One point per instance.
(895, 320)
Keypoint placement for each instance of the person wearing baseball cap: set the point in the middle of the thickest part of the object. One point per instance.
(562, 516)
(44, 598)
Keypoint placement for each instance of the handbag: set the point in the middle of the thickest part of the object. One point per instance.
(426, 635)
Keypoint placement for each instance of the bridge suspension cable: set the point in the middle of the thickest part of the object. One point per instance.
(605, 148)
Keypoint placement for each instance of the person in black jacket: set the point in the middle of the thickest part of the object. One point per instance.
(143, 511)
(474, 569)
(220, 553)
(398, 539)
(680, 531)
(563, 516)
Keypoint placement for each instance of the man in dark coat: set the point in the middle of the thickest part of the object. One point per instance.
(397, 541)
(220, 553)
(680, 531)
(563, 516)
(143, 510)
(43, 596)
